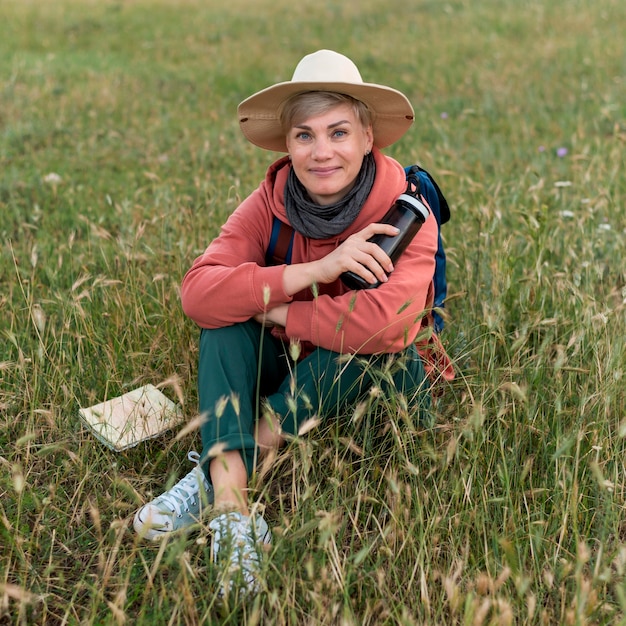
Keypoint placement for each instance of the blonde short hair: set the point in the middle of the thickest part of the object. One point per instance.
(313, 103)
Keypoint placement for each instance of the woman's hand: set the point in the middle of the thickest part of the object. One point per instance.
(355, 254)
(273, 317)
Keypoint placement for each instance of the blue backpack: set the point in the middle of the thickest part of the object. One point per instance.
(281, 239)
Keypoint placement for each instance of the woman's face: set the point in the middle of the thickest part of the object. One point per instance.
(327, 152)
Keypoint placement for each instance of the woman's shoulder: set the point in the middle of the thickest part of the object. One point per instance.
(268, 197)
(390, 181)
(389, 174)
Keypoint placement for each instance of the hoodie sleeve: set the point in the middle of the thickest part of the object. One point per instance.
(229, 283)
(386, 319)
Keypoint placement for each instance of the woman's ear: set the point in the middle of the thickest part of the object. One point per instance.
(369, 133)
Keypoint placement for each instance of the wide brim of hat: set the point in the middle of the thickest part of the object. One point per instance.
(259, 122)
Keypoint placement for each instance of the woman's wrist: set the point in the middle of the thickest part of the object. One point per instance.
(299, 276)
(278, 315)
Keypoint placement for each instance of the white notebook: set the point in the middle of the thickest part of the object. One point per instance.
(127, 420)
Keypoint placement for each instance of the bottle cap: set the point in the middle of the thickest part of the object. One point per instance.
(419, 206)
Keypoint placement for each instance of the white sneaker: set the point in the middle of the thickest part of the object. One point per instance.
(177, 509)
(238, 541)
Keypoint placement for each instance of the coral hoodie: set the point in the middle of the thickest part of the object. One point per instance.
(230, 282)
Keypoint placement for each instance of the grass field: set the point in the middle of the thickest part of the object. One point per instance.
(120, 157)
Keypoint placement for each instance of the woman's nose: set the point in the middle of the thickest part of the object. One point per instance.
(322, 148)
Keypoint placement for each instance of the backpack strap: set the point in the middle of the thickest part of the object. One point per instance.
(441, 210)
(443, 213)
(281, 244)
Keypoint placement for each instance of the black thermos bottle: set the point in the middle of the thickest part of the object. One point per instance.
(408, 213)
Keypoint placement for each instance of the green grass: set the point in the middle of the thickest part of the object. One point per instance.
(512, 509)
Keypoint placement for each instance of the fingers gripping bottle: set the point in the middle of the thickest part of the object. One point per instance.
(408, 213)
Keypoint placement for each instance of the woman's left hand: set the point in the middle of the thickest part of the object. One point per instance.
(273, 317)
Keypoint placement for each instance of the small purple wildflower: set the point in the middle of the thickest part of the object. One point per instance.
(561, 152)
(444, 115)
(541, 148)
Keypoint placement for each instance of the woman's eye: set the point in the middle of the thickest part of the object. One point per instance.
(303, 136)
(339, 133)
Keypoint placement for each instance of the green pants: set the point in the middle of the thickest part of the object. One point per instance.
(241, 365)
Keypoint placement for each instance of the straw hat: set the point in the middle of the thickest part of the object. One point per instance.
(324, 70)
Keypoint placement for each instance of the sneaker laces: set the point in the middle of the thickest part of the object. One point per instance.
(238, 539)
(186, 489)
(233, 534)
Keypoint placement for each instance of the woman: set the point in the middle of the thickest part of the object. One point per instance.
(285, 334)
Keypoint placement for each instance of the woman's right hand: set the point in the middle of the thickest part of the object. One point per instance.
(356, 254)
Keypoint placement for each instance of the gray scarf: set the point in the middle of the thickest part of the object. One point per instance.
(321, 222)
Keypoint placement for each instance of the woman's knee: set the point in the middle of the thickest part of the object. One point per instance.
(243, 337)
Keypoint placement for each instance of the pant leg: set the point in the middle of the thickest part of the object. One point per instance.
(326, 382)
(237, 364)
